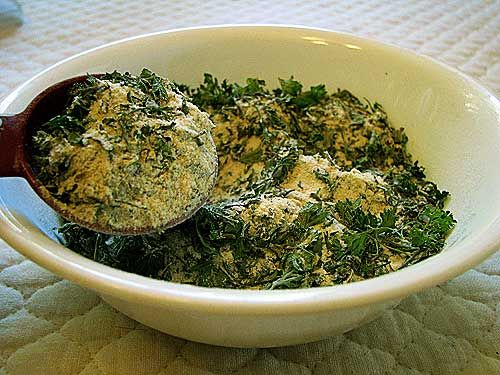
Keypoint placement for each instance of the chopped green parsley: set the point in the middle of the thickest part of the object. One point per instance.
(314, 189)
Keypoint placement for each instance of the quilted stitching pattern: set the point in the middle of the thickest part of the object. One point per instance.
(49, 326)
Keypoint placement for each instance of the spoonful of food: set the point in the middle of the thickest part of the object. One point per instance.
(115, 153)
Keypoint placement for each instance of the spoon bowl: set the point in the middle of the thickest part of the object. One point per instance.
(16, 132)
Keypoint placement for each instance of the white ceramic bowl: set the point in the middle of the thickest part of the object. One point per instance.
(454, 130)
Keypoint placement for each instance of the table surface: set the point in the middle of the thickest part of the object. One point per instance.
(52, 326)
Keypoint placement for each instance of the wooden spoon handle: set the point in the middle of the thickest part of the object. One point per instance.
(12, 130)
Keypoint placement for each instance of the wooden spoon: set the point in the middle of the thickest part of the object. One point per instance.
(16, 132)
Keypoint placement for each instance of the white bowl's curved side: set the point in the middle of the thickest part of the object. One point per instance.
(313, 56)
(247, 330)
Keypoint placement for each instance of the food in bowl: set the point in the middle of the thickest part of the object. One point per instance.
(315, 189)
(127, 153)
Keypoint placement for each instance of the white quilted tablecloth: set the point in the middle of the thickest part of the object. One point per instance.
(51, 326)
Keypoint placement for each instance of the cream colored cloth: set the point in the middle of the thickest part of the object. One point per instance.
(49, 326)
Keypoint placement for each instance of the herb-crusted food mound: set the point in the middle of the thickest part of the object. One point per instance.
(128, 153)
(315, 189)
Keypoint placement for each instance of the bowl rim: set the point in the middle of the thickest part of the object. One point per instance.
(128, 286)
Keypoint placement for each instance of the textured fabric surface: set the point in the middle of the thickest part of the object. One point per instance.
(51, 326)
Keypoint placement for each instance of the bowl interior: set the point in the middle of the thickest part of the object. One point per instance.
(452, 124)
